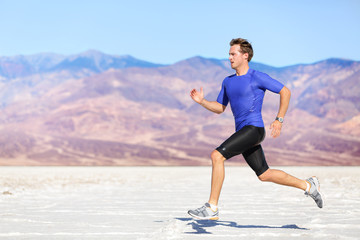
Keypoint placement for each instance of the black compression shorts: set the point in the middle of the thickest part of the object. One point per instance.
(246, 141)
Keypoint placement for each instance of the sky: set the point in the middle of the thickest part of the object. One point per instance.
(282, 32)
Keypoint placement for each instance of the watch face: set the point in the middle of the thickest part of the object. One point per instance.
(280, 119)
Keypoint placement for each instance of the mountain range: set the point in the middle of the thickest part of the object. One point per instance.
(92, 60)
(100, 109)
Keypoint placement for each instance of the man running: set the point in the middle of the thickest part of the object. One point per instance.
(245, 91)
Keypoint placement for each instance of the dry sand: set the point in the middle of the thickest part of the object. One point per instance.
(152, 203)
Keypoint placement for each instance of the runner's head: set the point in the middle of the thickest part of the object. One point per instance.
(245, 47)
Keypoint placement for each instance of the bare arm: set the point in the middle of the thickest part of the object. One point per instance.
(285, 95)
(212, 106)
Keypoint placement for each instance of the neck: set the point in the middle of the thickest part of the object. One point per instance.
(242, 70)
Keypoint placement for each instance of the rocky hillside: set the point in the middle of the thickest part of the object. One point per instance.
(98, 109)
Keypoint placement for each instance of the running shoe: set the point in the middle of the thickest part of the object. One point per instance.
(314, 191)
(204, 213)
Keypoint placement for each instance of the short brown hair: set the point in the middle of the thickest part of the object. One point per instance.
(245, 46)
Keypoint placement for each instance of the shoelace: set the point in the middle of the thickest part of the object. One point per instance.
(201, 209)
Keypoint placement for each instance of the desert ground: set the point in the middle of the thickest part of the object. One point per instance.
(152, 203)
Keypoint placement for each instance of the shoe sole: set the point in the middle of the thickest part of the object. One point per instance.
(203, 218)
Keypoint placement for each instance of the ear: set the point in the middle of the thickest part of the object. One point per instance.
(246, 56)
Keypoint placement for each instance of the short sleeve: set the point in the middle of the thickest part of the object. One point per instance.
(222, 97)
(267, 82)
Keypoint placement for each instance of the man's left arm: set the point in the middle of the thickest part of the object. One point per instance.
(275, 126)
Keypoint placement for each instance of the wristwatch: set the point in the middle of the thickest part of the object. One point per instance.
(280, 119)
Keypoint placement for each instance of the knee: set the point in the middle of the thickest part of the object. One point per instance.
(217, 157)
(266, 176)
(263, 178)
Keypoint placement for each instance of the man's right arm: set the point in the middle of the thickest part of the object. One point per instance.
(212, 106)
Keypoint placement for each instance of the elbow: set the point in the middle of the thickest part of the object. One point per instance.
(221, 109)
(217, 111)
(286, 92)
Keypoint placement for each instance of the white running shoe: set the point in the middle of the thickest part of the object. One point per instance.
(314, 191)
(204, 213)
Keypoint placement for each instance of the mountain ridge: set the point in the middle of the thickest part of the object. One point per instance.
(96, 61)
(144, 115)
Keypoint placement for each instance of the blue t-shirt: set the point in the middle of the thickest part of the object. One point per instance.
(245, 94)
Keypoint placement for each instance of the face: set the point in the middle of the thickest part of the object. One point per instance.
(236, 57)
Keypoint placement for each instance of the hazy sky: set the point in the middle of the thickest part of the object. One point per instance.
(164, 31)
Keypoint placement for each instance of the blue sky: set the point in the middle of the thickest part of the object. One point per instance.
(283, 32)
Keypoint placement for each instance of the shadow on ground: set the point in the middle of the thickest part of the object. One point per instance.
(201, 226)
